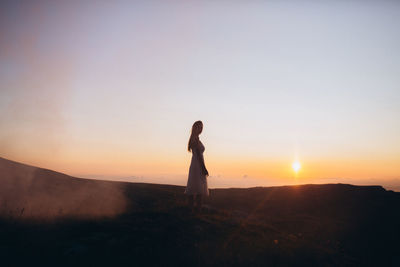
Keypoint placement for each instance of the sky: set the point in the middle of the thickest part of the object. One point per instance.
(110, 89)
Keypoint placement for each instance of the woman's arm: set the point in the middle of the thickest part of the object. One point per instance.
(201, 161)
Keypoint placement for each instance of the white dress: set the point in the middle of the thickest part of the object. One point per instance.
(197, 181)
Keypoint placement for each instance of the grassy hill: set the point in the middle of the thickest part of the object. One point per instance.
(51, 219)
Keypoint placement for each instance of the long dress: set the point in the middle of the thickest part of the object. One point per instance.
(197, 181)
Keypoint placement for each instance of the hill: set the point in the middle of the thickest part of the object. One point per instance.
(52, 219)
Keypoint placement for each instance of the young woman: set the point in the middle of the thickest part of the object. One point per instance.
(196, 187)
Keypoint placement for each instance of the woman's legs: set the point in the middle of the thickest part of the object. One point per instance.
(195, 201)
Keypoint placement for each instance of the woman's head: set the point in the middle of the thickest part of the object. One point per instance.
(197, 128)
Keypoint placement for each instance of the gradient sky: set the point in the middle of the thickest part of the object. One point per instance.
(110, 89)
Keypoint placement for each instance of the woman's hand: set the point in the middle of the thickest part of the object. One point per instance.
(205, 172)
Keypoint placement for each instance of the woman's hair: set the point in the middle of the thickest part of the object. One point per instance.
(194, 136)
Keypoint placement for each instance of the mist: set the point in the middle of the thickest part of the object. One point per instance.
(30, 193)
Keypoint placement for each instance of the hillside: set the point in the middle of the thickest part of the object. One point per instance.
(51, 219)
(28, 192)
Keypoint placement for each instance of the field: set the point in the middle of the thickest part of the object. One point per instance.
(51, 219)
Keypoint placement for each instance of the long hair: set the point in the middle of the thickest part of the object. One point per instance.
(194, 136)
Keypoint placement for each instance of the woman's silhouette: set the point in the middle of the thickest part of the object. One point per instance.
(197, 179)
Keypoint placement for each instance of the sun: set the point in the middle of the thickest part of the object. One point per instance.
(296, 166)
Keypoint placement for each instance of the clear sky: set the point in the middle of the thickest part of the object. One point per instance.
(111, 88)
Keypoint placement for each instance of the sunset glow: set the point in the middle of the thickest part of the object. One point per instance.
(111, 91)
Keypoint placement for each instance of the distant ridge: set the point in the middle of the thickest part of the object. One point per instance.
(36, 193)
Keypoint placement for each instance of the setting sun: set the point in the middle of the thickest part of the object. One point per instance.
(296, 166)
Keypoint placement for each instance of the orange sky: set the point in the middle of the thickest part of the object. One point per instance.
(115, 98)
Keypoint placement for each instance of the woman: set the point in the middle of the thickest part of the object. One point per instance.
(197, 181)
